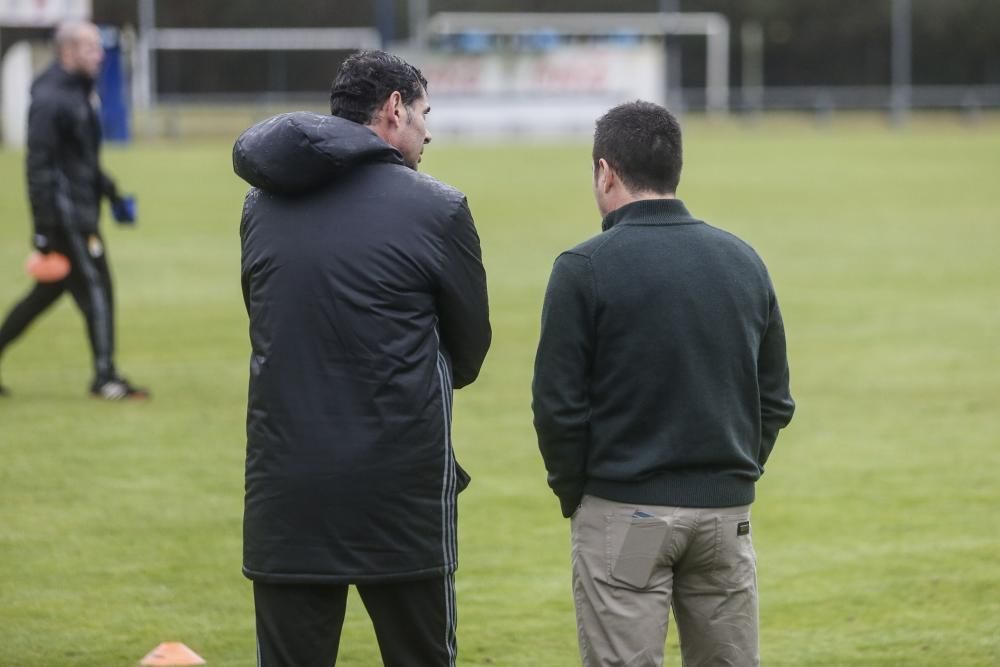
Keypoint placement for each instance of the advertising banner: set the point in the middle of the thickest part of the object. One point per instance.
(557, 91)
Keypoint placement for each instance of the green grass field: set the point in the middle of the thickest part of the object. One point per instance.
(877, 525)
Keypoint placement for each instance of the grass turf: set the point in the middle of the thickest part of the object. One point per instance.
(876, 525)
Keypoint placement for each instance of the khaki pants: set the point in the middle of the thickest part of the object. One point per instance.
(632, 563)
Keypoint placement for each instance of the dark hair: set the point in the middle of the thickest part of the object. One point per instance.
(366, 80)
(641, 141)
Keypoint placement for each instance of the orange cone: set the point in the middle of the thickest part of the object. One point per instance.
(172, 654)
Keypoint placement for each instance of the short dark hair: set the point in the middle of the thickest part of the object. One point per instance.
(366, 80)
(641, 141)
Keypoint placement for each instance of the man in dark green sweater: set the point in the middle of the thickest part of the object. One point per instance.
(661, 382)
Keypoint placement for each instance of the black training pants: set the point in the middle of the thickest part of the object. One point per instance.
(298, 625)
(89, 282)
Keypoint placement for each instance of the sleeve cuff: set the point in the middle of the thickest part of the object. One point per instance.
(569, 504)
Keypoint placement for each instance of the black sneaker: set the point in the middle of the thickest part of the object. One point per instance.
(117, 389)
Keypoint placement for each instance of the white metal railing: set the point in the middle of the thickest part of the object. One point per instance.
(153, 39)
(251, 39)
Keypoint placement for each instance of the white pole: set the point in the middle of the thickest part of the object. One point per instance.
(672, 52)
(902, 47)
(752, 84)
(418, 23)
(145, 70)
(717, 65)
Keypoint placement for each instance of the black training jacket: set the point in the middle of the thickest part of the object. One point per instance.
(65, 181)
(367, 300)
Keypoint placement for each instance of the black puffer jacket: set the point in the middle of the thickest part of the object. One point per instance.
(367, 300)
(65, 181)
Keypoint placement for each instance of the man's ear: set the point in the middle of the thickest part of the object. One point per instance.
(390, 114)
(394, 111)
(606, 177)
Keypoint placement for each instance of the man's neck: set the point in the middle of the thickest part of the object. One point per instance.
(628, 197)
(648, 194)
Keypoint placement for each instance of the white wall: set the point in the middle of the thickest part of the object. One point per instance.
(16, 73)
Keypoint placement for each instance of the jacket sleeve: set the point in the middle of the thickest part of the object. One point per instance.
(46, 125)
(108, 187)
(244, 264)
(560, 389)
(462, 301)
(776, 404)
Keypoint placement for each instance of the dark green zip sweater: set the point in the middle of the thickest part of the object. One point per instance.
(661, 376)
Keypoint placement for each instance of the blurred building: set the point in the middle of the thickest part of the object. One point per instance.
(777, 54)
(804, 44)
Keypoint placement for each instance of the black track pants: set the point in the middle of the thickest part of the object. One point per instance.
(89, 282)
(298, 625)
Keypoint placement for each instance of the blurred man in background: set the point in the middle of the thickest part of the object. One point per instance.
(661, 382)
(65, 186)
(366, 293)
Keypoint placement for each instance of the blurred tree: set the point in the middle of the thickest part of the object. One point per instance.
(956, 41)
(821, 43)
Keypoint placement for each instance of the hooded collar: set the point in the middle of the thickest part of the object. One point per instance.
(650, 212)
(297, 152)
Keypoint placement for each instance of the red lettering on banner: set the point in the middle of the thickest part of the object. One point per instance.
(588, 76)
(458, 77)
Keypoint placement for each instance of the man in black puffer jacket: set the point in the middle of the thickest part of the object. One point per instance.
(366, 293)
(65, 186)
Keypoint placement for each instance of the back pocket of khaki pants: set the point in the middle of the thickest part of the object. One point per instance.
(736, 560)
(634, 547)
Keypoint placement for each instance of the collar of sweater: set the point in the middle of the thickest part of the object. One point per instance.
(73, 79)
(649, 212)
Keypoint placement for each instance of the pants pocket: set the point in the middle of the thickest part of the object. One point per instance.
(736, 561)
(634, 547)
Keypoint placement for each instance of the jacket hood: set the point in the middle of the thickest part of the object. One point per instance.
(293, 153)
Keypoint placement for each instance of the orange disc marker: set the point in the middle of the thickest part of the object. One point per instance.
(172, 654)
(50, 268)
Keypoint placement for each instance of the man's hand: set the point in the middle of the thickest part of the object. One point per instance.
(123, 209)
